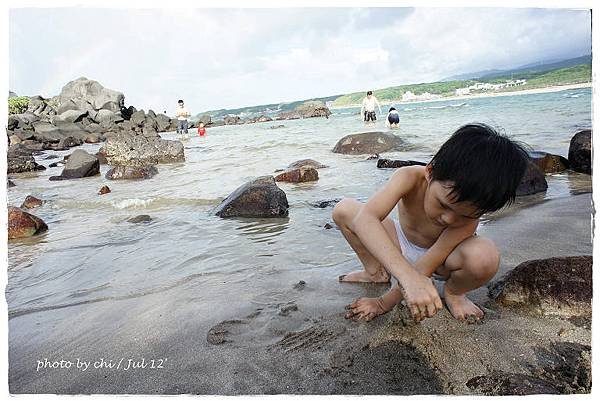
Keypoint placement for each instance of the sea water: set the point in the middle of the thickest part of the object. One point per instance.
(92, 254)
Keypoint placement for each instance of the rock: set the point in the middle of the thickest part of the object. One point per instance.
(104, 190)
(80, 164)
(91, 138)
(580, 152)
(101, 157)
(303, 174)
(373, 157)
(313, 108)
(533, 181)
(46, 132)
(138, 118)
(387, 163)
(13, 140)
(93, 93)
(258, 198)
(567, 365)
(31, 202)
(263, 119)
(277, 126)
(328, 226)
(368, 143)
(500, 383)
(39, 106)
(288, 115)
(141, 151)
(163, 122)
(10, 183)
(300, 285)
(22, 224)
(555, 286)
(231, 120)
(286, 309)
(548, 162)
(326, 203)
(70, 116)
(307, 163)
(131, 173)
(142, 218)
(22, 164)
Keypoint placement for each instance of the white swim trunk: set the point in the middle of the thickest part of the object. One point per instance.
(409, 250)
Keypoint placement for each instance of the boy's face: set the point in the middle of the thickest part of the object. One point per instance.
(441, 208)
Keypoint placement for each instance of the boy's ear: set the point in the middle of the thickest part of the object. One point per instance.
(428, 170)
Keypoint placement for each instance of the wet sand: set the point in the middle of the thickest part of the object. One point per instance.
(289, 337)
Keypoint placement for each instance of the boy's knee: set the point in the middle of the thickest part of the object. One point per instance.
(482, 259)
(342, 210)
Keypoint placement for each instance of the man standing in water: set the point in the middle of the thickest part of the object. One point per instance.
(368, 108)
(182, 115)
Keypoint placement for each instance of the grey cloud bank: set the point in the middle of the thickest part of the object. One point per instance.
(221, 58)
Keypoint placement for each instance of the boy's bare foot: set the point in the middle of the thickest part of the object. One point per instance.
(461, 307)
(366, 308)
(363, 276)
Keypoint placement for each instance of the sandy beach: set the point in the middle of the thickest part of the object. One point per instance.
(292, 337)
(548, 89)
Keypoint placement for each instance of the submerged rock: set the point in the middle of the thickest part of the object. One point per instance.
(31, 202)
(307, 163)
(131, 173)
(533, 181)
(368, 143)
(555, 286)
(79, 164)
(10, 183)
(104, 190)
(387, 163)
(142, 218)
(22, 224)
(303, 174)
(326, 203)
(580, 152)
(258, 198)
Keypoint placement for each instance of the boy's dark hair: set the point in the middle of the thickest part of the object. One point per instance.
(369, 93)
(180, 101)
(484, 166)
(391, 108)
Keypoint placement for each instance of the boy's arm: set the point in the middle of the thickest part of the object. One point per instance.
(445, 244)
(418, 291)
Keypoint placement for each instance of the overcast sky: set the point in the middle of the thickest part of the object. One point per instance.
(225, 58)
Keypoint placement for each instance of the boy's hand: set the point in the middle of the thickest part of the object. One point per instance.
(420, 296)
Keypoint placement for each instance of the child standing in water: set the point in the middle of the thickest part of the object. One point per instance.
(438, 209)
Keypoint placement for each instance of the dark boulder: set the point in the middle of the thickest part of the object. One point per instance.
(580, 152)
(80, 164)
(22, 224)
(567, 365)
(533, 181)
(555, 286)
(501, 383)
(307, 163)
(22, 163)
(368, 143)
(10, 183)
(387, 163)
(131, 173)
(142, 218)
(258, 198)
(326, 203)
(302, 174)
(31, 202)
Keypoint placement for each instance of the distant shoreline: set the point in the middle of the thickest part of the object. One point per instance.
(547, 89)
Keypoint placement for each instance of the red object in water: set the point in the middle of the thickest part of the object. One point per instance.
(201, 131)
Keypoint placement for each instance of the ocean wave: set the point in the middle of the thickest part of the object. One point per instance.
(448, 105)
(136, 203)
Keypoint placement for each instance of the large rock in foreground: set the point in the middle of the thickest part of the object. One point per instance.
(555, 286)
(22, 224)
(368, 143)
(80, 164)
(258, 198)
(141, 151)
(549, 163)
(580, 152)
(533, 181)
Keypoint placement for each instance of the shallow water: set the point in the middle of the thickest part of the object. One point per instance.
(92, 254)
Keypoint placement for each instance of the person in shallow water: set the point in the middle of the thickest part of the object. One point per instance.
(368, 108)
(393, 118)
(182, 115)
(201, 129)
(439, 206)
